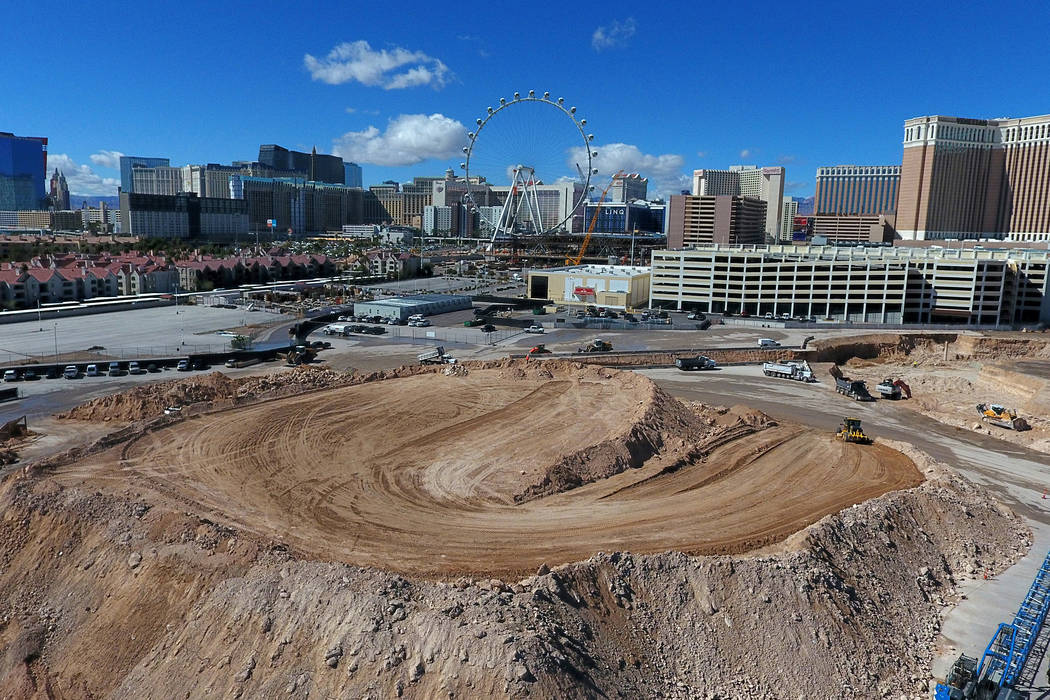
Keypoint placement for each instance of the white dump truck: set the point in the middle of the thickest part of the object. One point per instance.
(799, 371)
(437, 356)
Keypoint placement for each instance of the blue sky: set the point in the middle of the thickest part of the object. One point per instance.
(664, 90)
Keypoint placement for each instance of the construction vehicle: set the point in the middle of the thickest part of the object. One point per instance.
(540, 349)
(893, 389)
(799, 371)
(1002, 416)
(689, 364)
(594, 222)
(850, 431)
(1007, 661)
(436, 356)
(853, 388)
(597, 345)
(298, 355)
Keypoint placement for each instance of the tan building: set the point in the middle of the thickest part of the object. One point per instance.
(857, 189)
(975, 178)
(615, 286)
(864, 228)
(766, 184)
(722, 219)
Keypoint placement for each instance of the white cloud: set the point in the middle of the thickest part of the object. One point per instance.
(615, 34)
(745, 153)
(664, 171)
(357, 62)
(786, 159)
(81, 178)
(408, 139)
(107, 159)
(701, 154)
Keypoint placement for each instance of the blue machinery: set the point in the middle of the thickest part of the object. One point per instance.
(1008, 659)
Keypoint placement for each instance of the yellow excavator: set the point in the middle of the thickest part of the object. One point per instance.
(850, 431)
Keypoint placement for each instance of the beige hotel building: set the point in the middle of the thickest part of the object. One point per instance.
(975, 178)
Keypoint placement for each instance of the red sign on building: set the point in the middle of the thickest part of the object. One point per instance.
(583, 291)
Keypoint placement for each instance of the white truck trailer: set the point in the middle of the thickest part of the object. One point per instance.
(799, 371)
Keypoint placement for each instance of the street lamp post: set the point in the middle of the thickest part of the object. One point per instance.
(56, 342)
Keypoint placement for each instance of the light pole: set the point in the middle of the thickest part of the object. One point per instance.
(56, 342)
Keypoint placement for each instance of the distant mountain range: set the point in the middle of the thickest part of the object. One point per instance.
(77, 201)
(805, 204)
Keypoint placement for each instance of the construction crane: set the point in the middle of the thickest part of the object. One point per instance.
(594, 222)
(1008, 660)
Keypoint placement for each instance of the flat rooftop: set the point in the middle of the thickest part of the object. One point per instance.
(417, 299)
(601, 270)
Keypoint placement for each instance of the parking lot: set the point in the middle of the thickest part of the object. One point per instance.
(137, 333)
(471, 286)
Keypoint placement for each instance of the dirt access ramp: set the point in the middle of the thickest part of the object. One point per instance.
(121, 594)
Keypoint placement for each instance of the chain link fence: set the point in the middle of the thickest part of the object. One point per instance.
(108, 354)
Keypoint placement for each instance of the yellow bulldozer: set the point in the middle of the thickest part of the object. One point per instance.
(1002, 416)
(850, 431)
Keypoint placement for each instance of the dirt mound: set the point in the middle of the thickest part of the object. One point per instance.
(150, 400)
(121, 595)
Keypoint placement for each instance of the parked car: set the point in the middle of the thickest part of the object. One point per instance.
(115, 369)
(769, 315)
(768, 343)
(488, 328)
(696, 316)
(534, 328)
(630, 317)
(92, 371)
(183, 366)
(71, 372)
(10, 376)
(135, 368)
(53, 373)
(151, 368)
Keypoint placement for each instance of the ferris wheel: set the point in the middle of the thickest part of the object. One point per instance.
(531, 172)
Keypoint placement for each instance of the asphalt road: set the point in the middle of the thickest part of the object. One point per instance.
(1015, 475)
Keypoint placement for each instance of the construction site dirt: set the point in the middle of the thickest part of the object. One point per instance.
(488, 474)
(502, 528)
